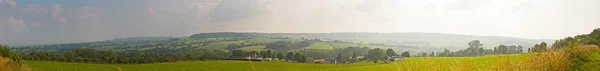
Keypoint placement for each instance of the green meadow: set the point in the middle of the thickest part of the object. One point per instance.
(415, 63)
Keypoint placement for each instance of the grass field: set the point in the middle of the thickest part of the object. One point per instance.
(254, 48)
(320, 45)
(417, 63)
(217, 45)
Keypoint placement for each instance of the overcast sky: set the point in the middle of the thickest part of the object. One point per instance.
(65, 21)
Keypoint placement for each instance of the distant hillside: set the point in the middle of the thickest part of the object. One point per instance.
(398, 41)
(113, 42)
(435, 40)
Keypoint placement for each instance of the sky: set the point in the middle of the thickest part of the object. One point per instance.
(67, 21)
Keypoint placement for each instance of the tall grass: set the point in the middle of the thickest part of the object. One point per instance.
(9, 65)
(552, 60)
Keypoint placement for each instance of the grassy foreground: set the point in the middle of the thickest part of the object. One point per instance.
(416, 63)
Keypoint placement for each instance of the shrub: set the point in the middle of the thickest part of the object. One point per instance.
(586, 57)
(575, 58)
(9, 65)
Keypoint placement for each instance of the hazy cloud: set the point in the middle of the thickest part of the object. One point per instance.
(92, 20)
(56, 14)
(10, 3)
(150, 13)
(466, 4)
(12, 26)
(1, 2)
(524, 7)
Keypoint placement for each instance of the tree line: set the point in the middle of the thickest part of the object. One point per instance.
(475, 49)
(288, 45)
(87, 55)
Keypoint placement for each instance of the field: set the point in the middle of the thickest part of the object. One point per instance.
(254, 48)
(415, 63)
(320, 45)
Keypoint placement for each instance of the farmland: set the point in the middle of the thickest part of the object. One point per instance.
(415, 63)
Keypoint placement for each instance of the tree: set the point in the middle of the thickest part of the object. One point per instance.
(338, 58)
(423, 54)
(519, 49)
(376, 54)
(290, 56)
(540, 47)
(263, 54)
(269, 54)
(446, 52)
(473, 49)
(432, 54)
(5, 52)
(594, 37)
(543, 46)
(501, 49)
(406, 54)
(281, 55)
(390, 52)
(535, 48)
(239, 53)
(353, 56)
(299, 57)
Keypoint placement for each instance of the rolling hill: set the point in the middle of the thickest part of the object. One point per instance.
(413, 42)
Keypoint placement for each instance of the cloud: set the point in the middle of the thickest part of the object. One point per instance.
(80, 21)
(368, 5)
(232, 10)
(14, 22)
(56, 10)
(10, 3)
(35, 9)
(13, 26)
(151, 13)
(466, 4)
(524, 7)
(56, 14)
(84, 15)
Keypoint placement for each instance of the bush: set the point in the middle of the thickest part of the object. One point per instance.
(584, 58)
(575, 58)
(9, 65)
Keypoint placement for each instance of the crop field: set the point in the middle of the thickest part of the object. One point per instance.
(415, 63)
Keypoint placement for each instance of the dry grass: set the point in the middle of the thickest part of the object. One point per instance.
(547, 61)
(559, 60)
(9, 65)
(119, 68)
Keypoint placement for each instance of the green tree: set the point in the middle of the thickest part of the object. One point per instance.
(353, 56)
(339, 58)
(290, 56)
(595, 37)
(5, 52)
(502, 49)
(406, 54)
(299, 57)
(543, 46)
(432, 54)
(519, 49)
(376, 54)
(390, 52)
(446, 52)
(269, 54)
(473, 49)
(281, 55)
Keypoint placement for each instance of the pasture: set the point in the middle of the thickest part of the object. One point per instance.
(414, 63)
